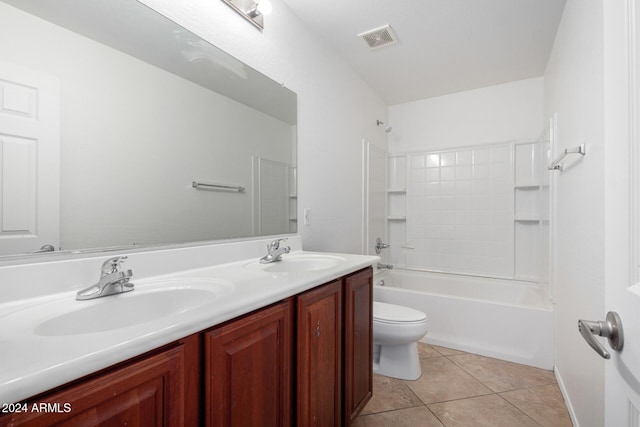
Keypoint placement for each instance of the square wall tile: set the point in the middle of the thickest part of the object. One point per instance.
(418, 161)
(464, 157)
(433, 160)
(447, 159)
(481, 155)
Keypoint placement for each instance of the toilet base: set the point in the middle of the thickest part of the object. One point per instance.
(397, 361)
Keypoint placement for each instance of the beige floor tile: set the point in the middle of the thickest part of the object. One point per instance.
(412, 417)
(426, 350)
(442, 380)
(445, 351)
(544, 404)
(500, 375)
(489, 411)
(388, 394)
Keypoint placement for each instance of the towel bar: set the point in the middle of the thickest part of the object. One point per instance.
(557, 163)
(217, 187)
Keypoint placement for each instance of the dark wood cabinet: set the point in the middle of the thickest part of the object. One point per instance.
(304, 361)
(358, 343)
(248, 370)
(334, 342)
(147, 392)
(319, 345)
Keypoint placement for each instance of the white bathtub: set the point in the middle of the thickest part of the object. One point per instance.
(508, 320)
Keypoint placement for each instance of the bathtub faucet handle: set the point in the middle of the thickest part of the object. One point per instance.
(380, 246)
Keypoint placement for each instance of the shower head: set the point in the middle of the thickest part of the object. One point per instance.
(387, 128)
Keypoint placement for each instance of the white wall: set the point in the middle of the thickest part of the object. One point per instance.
(336, 110)
(511, 111)
(574, 90)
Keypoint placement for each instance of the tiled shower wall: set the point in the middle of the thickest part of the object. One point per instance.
(481, 210)
(460, 211)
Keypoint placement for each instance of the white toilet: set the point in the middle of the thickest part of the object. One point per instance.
(396, 331)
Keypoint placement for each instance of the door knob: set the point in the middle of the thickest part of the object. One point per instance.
(611, 329)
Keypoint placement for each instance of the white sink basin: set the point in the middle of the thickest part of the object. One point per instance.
(148, 302)
(299, 263)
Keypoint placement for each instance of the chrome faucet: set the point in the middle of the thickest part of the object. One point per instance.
(384, 266)
(112, 281)
(275, 251)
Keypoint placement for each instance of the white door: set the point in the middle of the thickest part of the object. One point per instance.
(622, 210)
(29, 160)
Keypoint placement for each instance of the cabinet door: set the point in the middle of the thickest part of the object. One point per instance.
(248, 370)
(149, 392)
(358, 343)
(319, 343)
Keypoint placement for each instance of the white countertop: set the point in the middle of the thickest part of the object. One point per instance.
(31, 363)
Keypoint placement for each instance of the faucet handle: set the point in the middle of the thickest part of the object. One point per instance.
(275, 244)
(112, 265)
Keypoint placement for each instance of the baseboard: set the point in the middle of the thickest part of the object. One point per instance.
(567, 399)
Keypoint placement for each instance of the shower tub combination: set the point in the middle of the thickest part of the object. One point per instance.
(505, 319)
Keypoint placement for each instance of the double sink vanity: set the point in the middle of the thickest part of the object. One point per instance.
(196, 342)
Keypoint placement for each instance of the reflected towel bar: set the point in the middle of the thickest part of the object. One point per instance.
(217, 187)
(557, 163)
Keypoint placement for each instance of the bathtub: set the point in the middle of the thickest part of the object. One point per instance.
(505, 319)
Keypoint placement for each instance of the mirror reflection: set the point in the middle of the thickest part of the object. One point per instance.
(110, 112)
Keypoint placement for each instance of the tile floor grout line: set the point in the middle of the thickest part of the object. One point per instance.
(518, 409)
(501, 391)
(460, 398)
(437, 417)
(415, 405)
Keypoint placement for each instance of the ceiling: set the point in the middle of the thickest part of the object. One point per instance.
(444, 46)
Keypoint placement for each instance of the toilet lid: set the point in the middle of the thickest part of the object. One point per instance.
(396, 313)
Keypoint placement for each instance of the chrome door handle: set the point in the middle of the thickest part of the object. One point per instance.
(611, 329)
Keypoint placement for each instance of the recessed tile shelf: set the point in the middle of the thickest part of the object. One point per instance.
(397, 203)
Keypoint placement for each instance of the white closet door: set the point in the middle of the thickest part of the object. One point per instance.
(29, 160)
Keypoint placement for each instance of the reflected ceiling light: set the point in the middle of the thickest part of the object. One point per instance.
(252, 11)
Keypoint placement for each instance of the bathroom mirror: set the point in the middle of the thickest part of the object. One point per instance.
(143, 109)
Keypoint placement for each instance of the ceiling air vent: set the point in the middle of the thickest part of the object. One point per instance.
(379, 37)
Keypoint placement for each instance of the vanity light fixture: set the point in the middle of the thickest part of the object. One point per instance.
(252, 11)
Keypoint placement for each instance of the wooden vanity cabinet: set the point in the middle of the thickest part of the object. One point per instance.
(148, 391)
(358, 343)
(334, 343)
(248, 369)
(319, 357)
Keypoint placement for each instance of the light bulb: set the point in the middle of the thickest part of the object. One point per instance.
(264, 7)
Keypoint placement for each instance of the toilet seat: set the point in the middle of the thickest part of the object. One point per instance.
(396, 314)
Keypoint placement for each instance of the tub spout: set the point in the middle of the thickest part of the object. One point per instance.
(384, 266)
